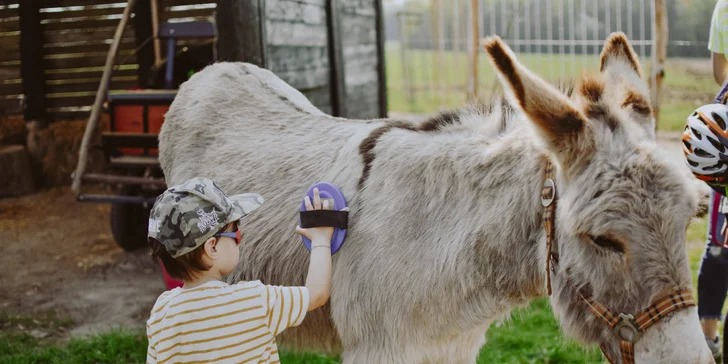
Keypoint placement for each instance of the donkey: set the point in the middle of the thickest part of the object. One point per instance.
(446, 232)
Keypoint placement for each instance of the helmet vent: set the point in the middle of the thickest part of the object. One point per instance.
(718, 120)
(701, 153)
(697, 134)
(717, 145)
(687, 145)
(714, 167)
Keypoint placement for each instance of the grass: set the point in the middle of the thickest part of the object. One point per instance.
(532, 335)
(684, 89)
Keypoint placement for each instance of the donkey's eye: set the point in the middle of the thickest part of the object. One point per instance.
(607, 243)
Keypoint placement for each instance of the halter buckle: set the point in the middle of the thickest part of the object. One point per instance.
(626, 329)
(547, 197)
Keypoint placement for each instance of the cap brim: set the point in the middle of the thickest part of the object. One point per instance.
(244, 204)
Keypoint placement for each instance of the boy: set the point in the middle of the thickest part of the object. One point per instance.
(193, 231)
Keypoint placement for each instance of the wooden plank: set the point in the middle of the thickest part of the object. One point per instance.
(10, 55)
(88, 23)
(32, 67)
(12, 25)
(364, 101)
(282, 58)
(98, 46)
(62, 114)
(358, 30)
(7, 89)
(8, 12)
(91, 86)
(85, 61)
(241, 31)
(88, 73)
(72, 35)
(80, 99)
(306, 78)
(168, 3)
(10, 73)
(10, 42)
(295, 12)
(191, 13)
(10, 106)
(83, 12)
(358, 7)
(62, 3)
(319, 97)
(296, 34)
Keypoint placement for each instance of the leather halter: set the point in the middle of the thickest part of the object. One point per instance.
(627, 328)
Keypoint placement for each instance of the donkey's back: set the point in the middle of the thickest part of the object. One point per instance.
(243, 127)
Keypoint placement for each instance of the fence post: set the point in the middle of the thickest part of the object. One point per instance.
(659, 53)
(475, 27)
(32, 67)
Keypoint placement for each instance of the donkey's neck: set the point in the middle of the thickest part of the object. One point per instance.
(507, 247)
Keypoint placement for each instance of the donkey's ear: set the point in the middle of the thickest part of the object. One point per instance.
(565, 129)
(618, 57)
(620, 64)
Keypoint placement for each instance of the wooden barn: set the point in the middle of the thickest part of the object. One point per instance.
(54, 53)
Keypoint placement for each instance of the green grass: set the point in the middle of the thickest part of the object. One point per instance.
(531, 335)
(684, 88)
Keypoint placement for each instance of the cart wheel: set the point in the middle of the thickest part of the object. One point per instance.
(129, 225)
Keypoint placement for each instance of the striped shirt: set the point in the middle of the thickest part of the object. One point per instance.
(222, 323)
(718, 41)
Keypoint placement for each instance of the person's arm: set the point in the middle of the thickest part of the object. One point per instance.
(717, 41)
(719, 67)
(318, 279)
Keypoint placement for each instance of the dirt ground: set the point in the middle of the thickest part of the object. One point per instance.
(57, 257)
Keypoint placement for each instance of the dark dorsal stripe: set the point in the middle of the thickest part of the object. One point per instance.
(440, 121)
(366, 148)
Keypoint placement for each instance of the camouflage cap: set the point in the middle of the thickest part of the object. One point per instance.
(186, 215)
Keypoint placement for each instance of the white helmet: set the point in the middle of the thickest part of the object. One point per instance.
(705, 143)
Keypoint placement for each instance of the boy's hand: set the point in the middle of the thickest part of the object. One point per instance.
(323, 233)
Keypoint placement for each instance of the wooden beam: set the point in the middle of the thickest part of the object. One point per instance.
(144, 32)
(154, 7)
(32, 64)
(100, 97)
(241, 35)
(336, 56)
(381, 65)
(475, 30)
(659, 54)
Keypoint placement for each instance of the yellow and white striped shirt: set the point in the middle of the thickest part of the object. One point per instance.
(222, 323)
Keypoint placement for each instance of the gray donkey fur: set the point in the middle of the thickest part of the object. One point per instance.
(445, 225)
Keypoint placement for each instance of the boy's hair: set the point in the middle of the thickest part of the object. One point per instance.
(184, 267)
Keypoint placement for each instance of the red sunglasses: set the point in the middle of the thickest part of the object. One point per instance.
(237, 235)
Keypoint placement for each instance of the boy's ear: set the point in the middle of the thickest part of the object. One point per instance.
(210, 247)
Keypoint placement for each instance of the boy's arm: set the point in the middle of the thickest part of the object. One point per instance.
(318, 279)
